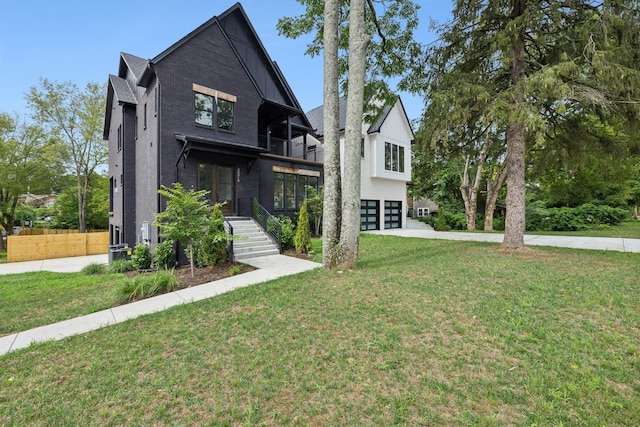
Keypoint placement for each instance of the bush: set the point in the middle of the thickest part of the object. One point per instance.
(431, 220)
(120, 266)
(288, 231)
(94, 268)
(164, 256)
(211, 249)
(302, 239)
(141, 257)
(146, 285)
(440, 224)
(582, 217)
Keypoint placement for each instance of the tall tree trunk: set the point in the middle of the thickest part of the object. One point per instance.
(516, 141)
(470, 191)
(332, 178)
(494, 185)
(350, 230)
(82, 205)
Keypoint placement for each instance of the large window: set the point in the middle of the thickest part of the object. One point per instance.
(291, 190)
(204, 109)
(225, 115)
(393, 157)
(214, 108)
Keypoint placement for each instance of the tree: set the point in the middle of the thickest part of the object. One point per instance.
(361, 54)
(302, 239)
(185, 216)
(315, 204)
(26, 165)
(97, 216)
(76, 119)
(524, 66)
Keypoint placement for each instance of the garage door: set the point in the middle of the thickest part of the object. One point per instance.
(369, 212)
(392, 214)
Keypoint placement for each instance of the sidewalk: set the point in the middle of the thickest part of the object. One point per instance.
(269, 268)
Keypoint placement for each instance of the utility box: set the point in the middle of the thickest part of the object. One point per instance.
(145, 230)
(121, 251)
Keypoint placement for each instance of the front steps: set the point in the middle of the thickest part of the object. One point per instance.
(249, 240)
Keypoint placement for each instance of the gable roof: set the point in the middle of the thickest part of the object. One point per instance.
(316, 117)
(245, 43)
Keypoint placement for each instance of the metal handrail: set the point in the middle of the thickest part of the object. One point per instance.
(268, 222)
(229, 229)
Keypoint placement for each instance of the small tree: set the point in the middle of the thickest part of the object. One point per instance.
(315, 201)
(302, 238)
(212, 248)
(185, 216)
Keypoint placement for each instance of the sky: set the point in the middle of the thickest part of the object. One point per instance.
(80, 41)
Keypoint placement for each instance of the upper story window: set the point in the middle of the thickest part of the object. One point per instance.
(393, 157)
(214, 108)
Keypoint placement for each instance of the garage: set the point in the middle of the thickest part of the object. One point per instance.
(392, 214)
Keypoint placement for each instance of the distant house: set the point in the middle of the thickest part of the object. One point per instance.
(213, 112)
(424, 207)
(385, 167)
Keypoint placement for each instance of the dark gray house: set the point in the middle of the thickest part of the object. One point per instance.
(212, 112)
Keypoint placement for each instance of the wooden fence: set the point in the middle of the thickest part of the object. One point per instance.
(27, 248)
(44, 231)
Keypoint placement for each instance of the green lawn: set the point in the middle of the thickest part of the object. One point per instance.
(628, 229)
(37, 299)
(422, 332)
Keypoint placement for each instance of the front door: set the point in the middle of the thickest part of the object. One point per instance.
(218, 180)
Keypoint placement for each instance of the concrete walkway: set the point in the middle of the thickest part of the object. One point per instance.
(269, 268)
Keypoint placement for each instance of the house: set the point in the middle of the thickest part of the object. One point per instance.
(213, 112)
(386, 163)
(424, 207)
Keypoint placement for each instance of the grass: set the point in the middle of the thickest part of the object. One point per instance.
(35, 299)
(627, 229)
(422, 332)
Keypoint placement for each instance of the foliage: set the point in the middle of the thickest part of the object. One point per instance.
(141, 257)
(211, 249)
(164, 255)
(97, 214)
(287, 231)
(146, 285)
(27, 165)
(185, 215)
(537, 76)
(440, 223)
(94, 268)
(315, 203)
(75, 118)
(120, 266)
(587, 216)
(302, 239)
(234, 270)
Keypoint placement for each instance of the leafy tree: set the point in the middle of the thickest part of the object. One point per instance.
(525, 66)
(26, 165)
(212, 247)
(185, 216)
(76, 119)
(315, 205)
(97, 216)
(302, 239)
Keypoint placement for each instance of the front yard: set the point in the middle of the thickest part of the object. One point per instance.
(423, 332)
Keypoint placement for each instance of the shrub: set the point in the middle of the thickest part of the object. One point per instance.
(120, 266)
(302, 239)
(141, 257)
(440, 223)
(164, 256)
(582, 217)
(94, 268)
(431, 220)
(146, 285)
(211, 249)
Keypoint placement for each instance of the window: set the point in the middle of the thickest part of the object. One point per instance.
(278, 190)
(362, 148)
(290, 190)
(155, 104)
(214, 108)
(393, 157)
(145, 115)
(224, 113)
(204, 109)
(423, 212)
(119, 137)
